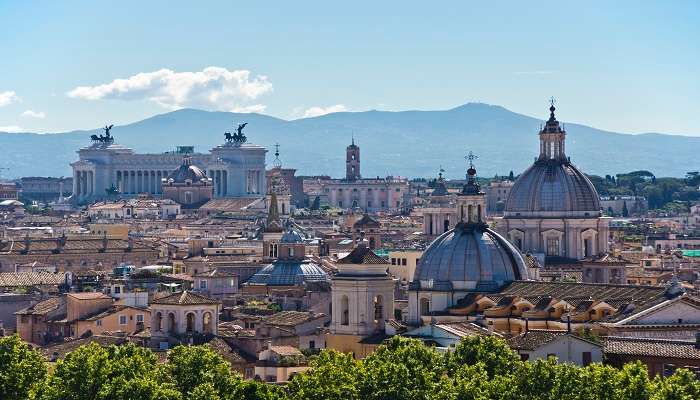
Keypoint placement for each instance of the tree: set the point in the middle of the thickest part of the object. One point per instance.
(404, 369)
(333, 376)
(494, 353)
(511, 176)
(22, 369)
(192, 366)
(625, 211)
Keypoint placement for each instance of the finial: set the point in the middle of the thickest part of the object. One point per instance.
(277, 162)
(552, 100)
(353, 137)
(440, 172)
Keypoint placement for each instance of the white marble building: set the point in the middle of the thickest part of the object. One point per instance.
(236, 170)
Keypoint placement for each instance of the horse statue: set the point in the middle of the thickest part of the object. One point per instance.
(238, 137)
(228, 136)
(94, 138)
(107, 138)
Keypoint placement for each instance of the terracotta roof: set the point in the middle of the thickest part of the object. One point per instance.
(291, 318)
(535, 338)
(89, 295)
(43, 307)
(229, 329)
(185, 298)
(596, 291)
(363, 255)
(216, 273)
(366, 220)
(226, 351)
(62, 349)
(285, 350)
(73, 245)
(651, 347)
(227, 205)
(464, 329)
(30, 279)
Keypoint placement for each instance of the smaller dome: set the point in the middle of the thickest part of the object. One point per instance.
(289, 273)
(187, 172)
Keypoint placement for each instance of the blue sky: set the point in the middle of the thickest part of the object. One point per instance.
(627, 66)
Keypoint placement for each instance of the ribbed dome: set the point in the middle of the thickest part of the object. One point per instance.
(187, 172)
(469, 257)
(553, 188)
(289, 273)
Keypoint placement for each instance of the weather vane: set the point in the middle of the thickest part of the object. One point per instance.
(552, 100)
(471, 157)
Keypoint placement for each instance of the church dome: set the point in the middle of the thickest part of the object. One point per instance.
(289, 273)
(469, 257)
(186, 172)
(552, 187)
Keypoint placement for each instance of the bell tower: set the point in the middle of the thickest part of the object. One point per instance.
(352, 162)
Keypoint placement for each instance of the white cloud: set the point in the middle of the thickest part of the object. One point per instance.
(213, 88)
(34, 114)
(318, 111)
(8, 97)
(11, 129)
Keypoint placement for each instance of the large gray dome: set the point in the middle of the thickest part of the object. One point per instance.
(187, 172)
(469, 257)
(552, 188)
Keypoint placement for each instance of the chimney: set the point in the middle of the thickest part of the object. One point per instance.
(697, 340)
(527, 324)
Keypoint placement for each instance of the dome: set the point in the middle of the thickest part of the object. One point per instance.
(289, 273)
(187, 171)
(469, 257)
(552, 188)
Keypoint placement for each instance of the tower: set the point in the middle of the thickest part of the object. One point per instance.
(362, 300)
(352, 162)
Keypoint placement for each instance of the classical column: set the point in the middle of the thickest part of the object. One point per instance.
(224, 191)
(91, 183)
(76, 184)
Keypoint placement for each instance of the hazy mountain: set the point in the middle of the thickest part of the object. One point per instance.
(407, 143)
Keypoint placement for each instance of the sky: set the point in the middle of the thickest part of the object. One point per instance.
(624, 66)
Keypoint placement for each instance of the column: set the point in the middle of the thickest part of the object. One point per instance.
(90, 183)
(76, 184)
(224, 191)
(389, 199)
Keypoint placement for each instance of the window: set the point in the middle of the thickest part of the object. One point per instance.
(117, 289)
(203, 284)
(524, 357)
(344, 311)
(122, 320)
(403, 261)
(98, 322)
(586, 358)
(393, 261)
(340, 204)
(424, 306)
(552, 246)
(378, 309)
(139, 318)
(312, 344)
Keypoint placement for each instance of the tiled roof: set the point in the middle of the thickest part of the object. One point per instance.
(43, 307)
(225, 350)
(216, 273)
(227, 205)
(62, 349)
(366, 220)
(89, 295)
(291, 318)
(30, 279)
(604, 292)
(73, 245)
(651, 347)
(463, 329)
(535, 338)
(229, 329)
(185, 298)
(285, 350)
(363, 255)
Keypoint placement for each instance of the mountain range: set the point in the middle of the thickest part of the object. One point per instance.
(405, 143)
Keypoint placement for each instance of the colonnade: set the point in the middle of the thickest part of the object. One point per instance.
(140, 181)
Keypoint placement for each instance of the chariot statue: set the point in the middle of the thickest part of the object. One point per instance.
(238, 137)
(106, 139)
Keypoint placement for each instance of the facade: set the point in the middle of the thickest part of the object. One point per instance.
(370, 195)
(362, 301)
(183, 314)
(236, 168)
(553, 208)
(9, 191)
(440, 214)
(46, 188)
(567, 347)
(496, 195)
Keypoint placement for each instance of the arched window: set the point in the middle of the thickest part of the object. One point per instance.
(424, 306)
(207, 323)
(470, 213)
(190, 323)
(344, 311)
(378, 309)
(172, 328)
(188, 197)
(159, 322)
